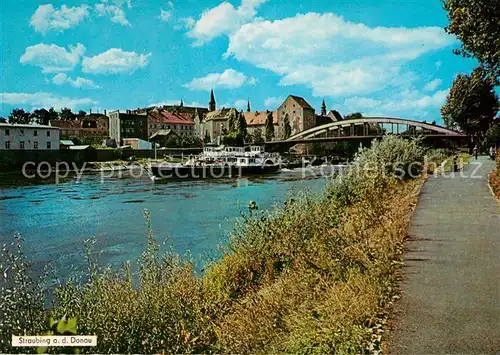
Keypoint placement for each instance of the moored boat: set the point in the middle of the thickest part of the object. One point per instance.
(220, 162)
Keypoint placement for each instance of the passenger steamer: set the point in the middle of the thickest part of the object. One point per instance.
(218, 162)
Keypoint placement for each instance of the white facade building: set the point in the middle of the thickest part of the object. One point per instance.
(29, 137)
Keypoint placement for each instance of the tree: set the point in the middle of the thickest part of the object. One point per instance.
(257, 137)
(269, 127)
(241, 124)
(53, 115)
(232, 122)
(206, 140)
(493, 134)
(476, 23)
(41, 116)
(353, 116)
(66, 114)
(287, 128)
(233, 139)
(471, 104)
(19, 116)
(190, 142)
(3, 120)
(81, 114)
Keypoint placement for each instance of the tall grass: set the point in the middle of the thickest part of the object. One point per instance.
(494, 177)
(312, 276)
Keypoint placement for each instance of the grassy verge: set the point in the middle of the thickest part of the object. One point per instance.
(494, 178)
(312, 276)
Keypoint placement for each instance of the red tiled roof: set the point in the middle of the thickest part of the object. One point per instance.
(66, 124)
(259, 118)
(162, 116)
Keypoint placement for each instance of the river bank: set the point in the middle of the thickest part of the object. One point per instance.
(312, 275)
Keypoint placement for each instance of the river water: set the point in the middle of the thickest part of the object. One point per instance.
(194, 217)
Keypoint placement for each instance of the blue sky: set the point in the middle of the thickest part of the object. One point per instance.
(379, 57)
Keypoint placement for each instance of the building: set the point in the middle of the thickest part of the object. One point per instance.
(65, 144)
(94, 125)
(128, 125)
(68, 128)
(137, 143)
(214, 124)
(165, 138)
(160, 119)
(33, 137)
(257, 120)
(299, 113)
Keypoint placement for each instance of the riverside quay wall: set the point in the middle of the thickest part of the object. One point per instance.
(13, 160)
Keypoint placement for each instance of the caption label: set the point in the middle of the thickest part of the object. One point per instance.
(54, 340)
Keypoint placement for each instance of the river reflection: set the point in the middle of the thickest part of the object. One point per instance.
(192, 216)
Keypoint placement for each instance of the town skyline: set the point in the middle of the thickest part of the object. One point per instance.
(375, 59)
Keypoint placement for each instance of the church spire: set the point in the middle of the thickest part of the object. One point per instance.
(323, 108)
(182, 103)
(211, 104)
(248, 106)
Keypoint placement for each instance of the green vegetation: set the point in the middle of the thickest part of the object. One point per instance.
(236, 133)
(287, 127)
(313, 276)
(256, 137)
(476, 23)
(270, 134)
(472, 104)
(43, 116)
(494, 177)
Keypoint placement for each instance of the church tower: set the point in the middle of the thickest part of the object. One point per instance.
(248, 106)
(211, 104)
(323, 109)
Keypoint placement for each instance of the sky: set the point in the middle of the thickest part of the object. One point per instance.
(377, 57)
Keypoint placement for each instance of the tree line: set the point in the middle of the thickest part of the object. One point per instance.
(472, 104)
(42, 116)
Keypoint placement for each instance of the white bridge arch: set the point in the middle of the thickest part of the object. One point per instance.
(370, 121)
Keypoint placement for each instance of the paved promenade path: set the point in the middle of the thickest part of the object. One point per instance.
(450, 302)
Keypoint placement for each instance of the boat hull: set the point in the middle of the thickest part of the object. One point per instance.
(210, 171)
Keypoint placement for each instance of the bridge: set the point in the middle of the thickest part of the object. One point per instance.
(368, 128)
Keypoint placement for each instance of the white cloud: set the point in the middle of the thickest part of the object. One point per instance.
(241, 104)
(229, 79)
(52, 58)
(114, 61)
(333, 56)
(79, 82)
(185, 23)
(170, 4)
(115, 13)
(165, 15)
(433, 85)
(406, 104)
(223, 19)
(438, 64)
(273, 102)
(43, 99)
(46, 18)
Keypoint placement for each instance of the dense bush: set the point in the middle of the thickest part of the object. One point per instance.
(312, 276)
(21, 297)
(494, 178)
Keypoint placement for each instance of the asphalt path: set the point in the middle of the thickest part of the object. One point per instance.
(450, 301)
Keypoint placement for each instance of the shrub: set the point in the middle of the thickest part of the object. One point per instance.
(21, 297)
(494, 178)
